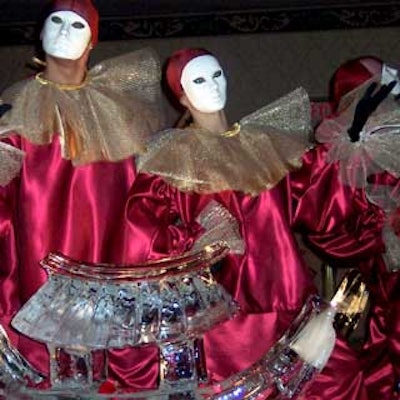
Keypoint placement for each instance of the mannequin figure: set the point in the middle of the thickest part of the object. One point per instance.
(89, 110)
(79, 130)
(184, 169)
(310, 198)
(368, 172)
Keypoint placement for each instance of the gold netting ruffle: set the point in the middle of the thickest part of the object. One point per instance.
(219, 225)
(377, 150)
(108, 118)
(11, 160)
(255, 156)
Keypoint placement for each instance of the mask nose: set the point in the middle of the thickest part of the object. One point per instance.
(65, 29)
(214, 85)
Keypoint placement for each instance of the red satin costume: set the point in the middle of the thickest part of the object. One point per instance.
(270, 282)
(102, 212)
(78, 210)
(346, 229)
(340, 224)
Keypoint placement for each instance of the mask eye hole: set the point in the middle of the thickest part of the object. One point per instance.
(217, 74)
(78, 25)
(56, 19)
(199, 80)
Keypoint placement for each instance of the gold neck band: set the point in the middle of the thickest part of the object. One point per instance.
(235, 130)
(43, 81)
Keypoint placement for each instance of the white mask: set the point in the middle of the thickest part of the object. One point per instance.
(204, 84)
(65, 35)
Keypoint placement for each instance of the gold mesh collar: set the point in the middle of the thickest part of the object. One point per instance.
(270, 144)
(109, 117)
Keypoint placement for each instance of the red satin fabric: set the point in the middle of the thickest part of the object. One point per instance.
(345, 229)
(337, 220)
(270, 282)
(78, 211)
(383, 346)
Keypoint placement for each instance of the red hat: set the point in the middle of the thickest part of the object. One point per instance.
(175, 65)
(84, 8)
(352, 74)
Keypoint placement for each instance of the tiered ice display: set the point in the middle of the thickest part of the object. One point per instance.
(86, 309)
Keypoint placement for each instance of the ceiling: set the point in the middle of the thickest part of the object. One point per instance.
(129, 19)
